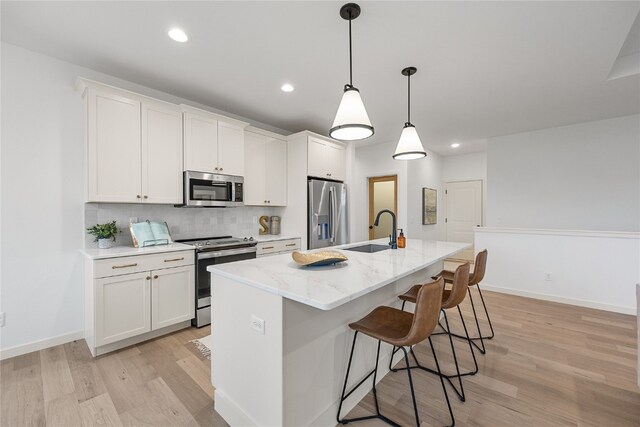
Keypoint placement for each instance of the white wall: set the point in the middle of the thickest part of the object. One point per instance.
(375, 160)
(42, 178)
(425, 172)
(592, 269)
(580, 177)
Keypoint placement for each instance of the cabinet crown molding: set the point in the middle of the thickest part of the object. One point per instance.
(193, 110)
(263, 132)
(307, 133)
(82, 84)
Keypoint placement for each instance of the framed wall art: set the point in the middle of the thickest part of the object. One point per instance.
(429, 206)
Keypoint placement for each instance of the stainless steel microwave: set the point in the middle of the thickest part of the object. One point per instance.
(212, 190)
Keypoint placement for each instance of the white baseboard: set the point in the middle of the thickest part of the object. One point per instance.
(40, 345)
(563, 300)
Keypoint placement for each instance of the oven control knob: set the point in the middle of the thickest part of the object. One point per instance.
(245, 239)
(251, 239)
(207, 243)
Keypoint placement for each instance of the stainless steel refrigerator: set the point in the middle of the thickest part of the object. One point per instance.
(327, 222)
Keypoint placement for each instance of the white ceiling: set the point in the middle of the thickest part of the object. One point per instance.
(484, 68)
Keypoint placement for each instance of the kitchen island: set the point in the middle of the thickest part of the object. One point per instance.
(280, 335)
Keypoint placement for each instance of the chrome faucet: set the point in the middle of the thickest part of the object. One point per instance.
(393, 240)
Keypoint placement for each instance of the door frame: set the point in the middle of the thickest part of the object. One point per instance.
(444, 200)
(370, 182)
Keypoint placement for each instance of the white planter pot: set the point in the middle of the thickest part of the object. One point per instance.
(104, 243)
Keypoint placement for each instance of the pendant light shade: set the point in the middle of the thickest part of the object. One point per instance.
(352, 121)
(409, 147)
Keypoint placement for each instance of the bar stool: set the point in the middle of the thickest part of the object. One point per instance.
(474, 280)
(400, 329)
(450, 299)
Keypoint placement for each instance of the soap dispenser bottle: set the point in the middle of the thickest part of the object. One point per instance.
(402, 241)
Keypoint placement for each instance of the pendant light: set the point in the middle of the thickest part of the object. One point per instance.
(409, 147)
(352, 122)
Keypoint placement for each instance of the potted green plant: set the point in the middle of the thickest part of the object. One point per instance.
(105, 234)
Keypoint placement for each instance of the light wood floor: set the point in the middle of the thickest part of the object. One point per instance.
(549, 365)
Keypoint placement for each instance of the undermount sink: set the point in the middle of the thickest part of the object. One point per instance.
(368, 248)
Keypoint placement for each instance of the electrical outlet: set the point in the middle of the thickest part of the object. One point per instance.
(547, 277)
(257, 324)
(2, 317)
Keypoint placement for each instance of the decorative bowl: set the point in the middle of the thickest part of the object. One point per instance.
(315, 259)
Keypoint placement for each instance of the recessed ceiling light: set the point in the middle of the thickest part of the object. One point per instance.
(178, 35)
(455, 145)
(287, 87)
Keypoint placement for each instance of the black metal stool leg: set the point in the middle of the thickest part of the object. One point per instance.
(473, 353)
(413, 394)
(444, 388)
(375, 394)
(482, 349)
(455, 360)
(486, 312)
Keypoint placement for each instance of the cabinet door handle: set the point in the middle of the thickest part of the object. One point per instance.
(221, 169)
(268, 247)
(291, 244)
(155, 277)
(146, 197)
(265, 201)
(137, 196)
(113, 267)
(148, 277)
(216, 168)
(174, 259)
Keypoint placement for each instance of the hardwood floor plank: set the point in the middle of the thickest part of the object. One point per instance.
(87, 380)
(99, 411)
(202, 376)
(56, 377)
(22, 400)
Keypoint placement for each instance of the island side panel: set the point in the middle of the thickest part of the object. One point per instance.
(316, 352)
(246, 365)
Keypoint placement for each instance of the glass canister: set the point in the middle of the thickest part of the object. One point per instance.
(275, 225)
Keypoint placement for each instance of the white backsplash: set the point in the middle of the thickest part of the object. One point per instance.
(184, 223)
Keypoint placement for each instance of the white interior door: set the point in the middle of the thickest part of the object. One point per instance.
(463, 204)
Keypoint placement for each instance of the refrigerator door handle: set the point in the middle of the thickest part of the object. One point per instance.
(332, 213)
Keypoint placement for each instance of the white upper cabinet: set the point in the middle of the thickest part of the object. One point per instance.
(213, 143)
(255, 169)
(326, 159)
(200, 143)
(113, 147)
(161, 153)
(276, 179)
(230, 149)
(265, 179)
(134, 146)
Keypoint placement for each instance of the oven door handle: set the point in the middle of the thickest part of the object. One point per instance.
(219, 254)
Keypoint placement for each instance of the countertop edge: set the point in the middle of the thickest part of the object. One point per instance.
(336, 303)
(96, 254)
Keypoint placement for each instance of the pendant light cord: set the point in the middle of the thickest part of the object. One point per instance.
(350, 55)
(409, 98)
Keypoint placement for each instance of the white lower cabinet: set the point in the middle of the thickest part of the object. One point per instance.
(276, 247)
(122, 307)
(172, 296)
(134, 298)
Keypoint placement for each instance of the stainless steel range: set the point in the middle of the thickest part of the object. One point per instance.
(212, 251)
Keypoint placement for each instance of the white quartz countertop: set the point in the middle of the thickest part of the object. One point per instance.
(331, 286)
(120, 251)
(273, 237)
